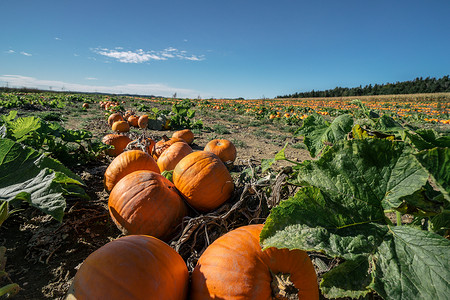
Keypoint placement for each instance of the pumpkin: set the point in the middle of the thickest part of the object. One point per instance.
(121, 126)
(224, 149)
(85, 105)
(114, 118)
(132, 267)
(143, 121)
(126, 163)
(186, 134)
(118, 141)
(145, 202)
(172, 155)
(203, 180)
(133, 120)
(235, 267)
(163, 144)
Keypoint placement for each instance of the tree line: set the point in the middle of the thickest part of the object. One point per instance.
(416, 86)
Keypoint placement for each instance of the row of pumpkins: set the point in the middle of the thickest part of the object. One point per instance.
(149, 208)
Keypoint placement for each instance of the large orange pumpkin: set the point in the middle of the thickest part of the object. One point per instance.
(145, 202)
(224, 149)
(114, 118)
(143, 121)
(132, 267)
(186, 134)
(126, 163)
(235, 267)
(163, 144)
(203, 180)
(172, 155)
(118, 141)
(133, 120)
(120, 126)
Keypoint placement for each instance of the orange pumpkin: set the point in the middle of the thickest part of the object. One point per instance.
(169, 158)
(114, 118)
(126, 163)
(163, 144)
(133, 120)
(145, 202)
(120, 126)
(186, 134)
(132, 267)
(143, 121)
(235, 267)
(85, 105)
(118, 141)
(203, 180)
(224, 149)
(148, 142)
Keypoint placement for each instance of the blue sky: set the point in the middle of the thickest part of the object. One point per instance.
(220, 49)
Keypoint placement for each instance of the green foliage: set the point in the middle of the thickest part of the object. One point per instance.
(27, 175)
(11, 289)
(68, 146)
(340, 208)
(183, 115)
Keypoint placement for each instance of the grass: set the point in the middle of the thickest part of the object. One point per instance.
(221, 129)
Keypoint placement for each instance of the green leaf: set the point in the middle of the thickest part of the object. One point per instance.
(394, 258)
(412, 264)
(347, 279)
(318, 133)
(22, 127)
(437, 162)
(26, 175)
(372, 170)
(424, 139)
(388, 124)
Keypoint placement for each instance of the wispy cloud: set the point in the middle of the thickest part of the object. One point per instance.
(26, 53)
(158, 89)
(10, 51)
(57, 38)
(142, 56)
(91, 78)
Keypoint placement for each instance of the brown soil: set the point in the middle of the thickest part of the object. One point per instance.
(43, 255)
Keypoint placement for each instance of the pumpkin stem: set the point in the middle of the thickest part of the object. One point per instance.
(282, 287)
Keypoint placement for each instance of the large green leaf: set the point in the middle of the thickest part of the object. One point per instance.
(373, 171)
(22, 127)
(424, 139)
(389, 260)
(412, 264)
(30, 176)
(437, 162)
(318, 133)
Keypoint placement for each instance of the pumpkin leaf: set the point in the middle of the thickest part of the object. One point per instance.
(374, 171)
(424, 139)
(349, 279)
(27, 175)
(318, 133)
(388, 260)
(437, 162)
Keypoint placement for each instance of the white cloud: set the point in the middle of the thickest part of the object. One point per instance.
(157, 89)
(57, 38)
(142, 56)
(25, 53)
(10, 51)
(90, 78)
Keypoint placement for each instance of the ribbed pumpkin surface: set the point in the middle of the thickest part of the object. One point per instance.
(132, 267)
(172, 155)
(126, 163)
(145, 202)
(118, 141)
(203, 180)
(235, 267)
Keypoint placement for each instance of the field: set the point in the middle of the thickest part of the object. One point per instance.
(303, 168)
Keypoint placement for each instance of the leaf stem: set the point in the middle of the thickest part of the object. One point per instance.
(399, 218)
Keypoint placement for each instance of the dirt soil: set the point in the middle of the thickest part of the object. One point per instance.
(43, 255)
